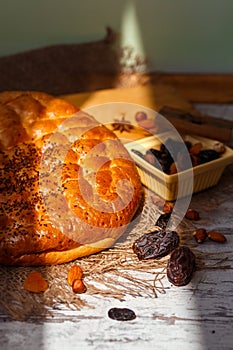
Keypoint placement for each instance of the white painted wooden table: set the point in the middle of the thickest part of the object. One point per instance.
(198, 316)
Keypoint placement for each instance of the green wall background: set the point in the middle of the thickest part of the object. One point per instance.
(175, 35)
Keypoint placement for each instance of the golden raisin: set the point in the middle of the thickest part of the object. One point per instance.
(35, 282)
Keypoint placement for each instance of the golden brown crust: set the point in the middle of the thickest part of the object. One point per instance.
(68, 187)
(57, 257)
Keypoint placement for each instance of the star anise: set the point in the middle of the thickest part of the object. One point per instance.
(122, 125)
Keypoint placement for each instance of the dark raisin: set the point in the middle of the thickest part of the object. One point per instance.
(182, 161)
(154, 245)
(155, 152)
(175, 146)
(163, 220)
(163, 148)
(121, 314)
(188, 144)
(164, 163)
(150, 158)
(207, 155)
(137, 152)
(181, 266)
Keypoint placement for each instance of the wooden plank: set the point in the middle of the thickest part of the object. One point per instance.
(211, 131)
(200, 88)
(199, 124)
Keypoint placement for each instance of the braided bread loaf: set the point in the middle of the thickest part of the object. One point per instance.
(68, 187)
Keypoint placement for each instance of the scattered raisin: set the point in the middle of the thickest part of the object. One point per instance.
(207, 155)
(121, 314)
(35, 282)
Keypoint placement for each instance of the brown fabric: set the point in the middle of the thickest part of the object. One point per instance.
(61, 69)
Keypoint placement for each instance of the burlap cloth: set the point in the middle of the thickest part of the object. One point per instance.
(70, 68)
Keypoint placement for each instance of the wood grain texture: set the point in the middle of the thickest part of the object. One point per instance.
(206, 88)
(196, 88)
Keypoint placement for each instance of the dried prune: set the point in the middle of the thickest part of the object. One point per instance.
(182, 161)
(155, 245)
(188, 144)
(121, 314)
(207, 155)
(163, 220)
(154, 151)
(165, 161)
(150, 158)
(156, 158)
(174, 145)
(181, 266)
